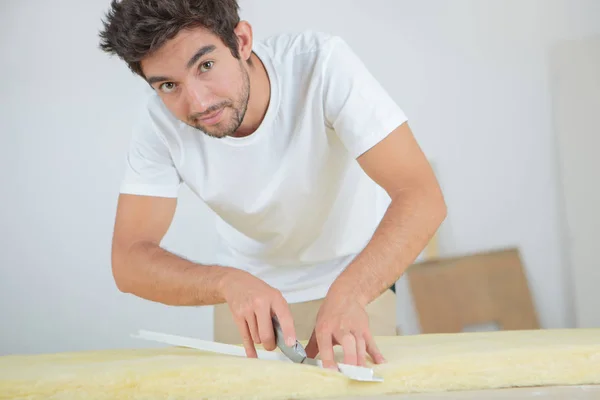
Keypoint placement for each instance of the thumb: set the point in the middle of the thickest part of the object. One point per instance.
(312, 349)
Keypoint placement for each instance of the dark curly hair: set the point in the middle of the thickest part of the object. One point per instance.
(134, 29)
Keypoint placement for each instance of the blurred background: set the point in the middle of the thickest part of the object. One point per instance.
(503, 96)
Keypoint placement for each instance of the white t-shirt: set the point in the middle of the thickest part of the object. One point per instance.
(293, 205)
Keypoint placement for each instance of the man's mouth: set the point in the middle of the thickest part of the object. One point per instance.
(212, 118)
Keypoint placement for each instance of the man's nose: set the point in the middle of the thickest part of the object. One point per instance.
(197, 99)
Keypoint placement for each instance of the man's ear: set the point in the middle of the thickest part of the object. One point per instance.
(243, 31)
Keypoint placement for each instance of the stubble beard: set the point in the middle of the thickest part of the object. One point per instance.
(238, 108)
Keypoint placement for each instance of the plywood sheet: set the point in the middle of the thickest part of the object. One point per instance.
(451, 294)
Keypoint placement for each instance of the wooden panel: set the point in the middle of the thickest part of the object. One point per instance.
(451, 294)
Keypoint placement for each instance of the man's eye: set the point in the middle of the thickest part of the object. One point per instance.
(205, 66)
(167, 87)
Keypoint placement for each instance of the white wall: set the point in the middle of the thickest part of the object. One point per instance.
(575, 78)
(471, 75)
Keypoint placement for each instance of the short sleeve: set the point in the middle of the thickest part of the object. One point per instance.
(356, 106)
(149, 166)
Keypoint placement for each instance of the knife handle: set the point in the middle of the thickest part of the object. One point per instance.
(296, 352)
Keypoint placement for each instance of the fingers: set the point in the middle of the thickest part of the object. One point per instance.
(361, 351)
(373, 350)
(246, 338)
(311, 348)
(325, 344)
(348, 342)
(266, 329)
(253, 328)
(255, 324)
(354, 348)
(284, 315)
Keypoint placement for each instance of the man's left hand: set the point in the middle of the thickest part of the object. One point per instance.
(343, 321)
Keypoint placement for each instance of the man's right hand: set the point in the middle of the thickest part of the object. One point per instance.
(141, 267)
(253, 303)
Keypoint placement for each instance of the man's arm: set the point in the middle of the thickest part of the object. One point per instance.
(416, 211)
(141, 267)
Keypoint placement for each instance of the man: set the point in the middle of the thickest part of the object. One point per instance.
(321, 193)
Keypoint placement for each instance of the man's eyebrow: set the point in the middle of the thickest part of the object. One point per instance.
(153, 79)
(200, 53)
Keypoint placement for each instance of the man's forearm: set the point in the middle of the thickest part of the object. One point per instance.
(153, 273)
(407, 226)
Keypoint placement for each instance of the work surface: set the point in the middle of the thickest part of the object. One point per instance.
(421, 366)
(585, 392)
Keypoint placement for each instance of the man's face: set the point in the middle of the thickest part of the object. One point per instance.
(200, 82)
